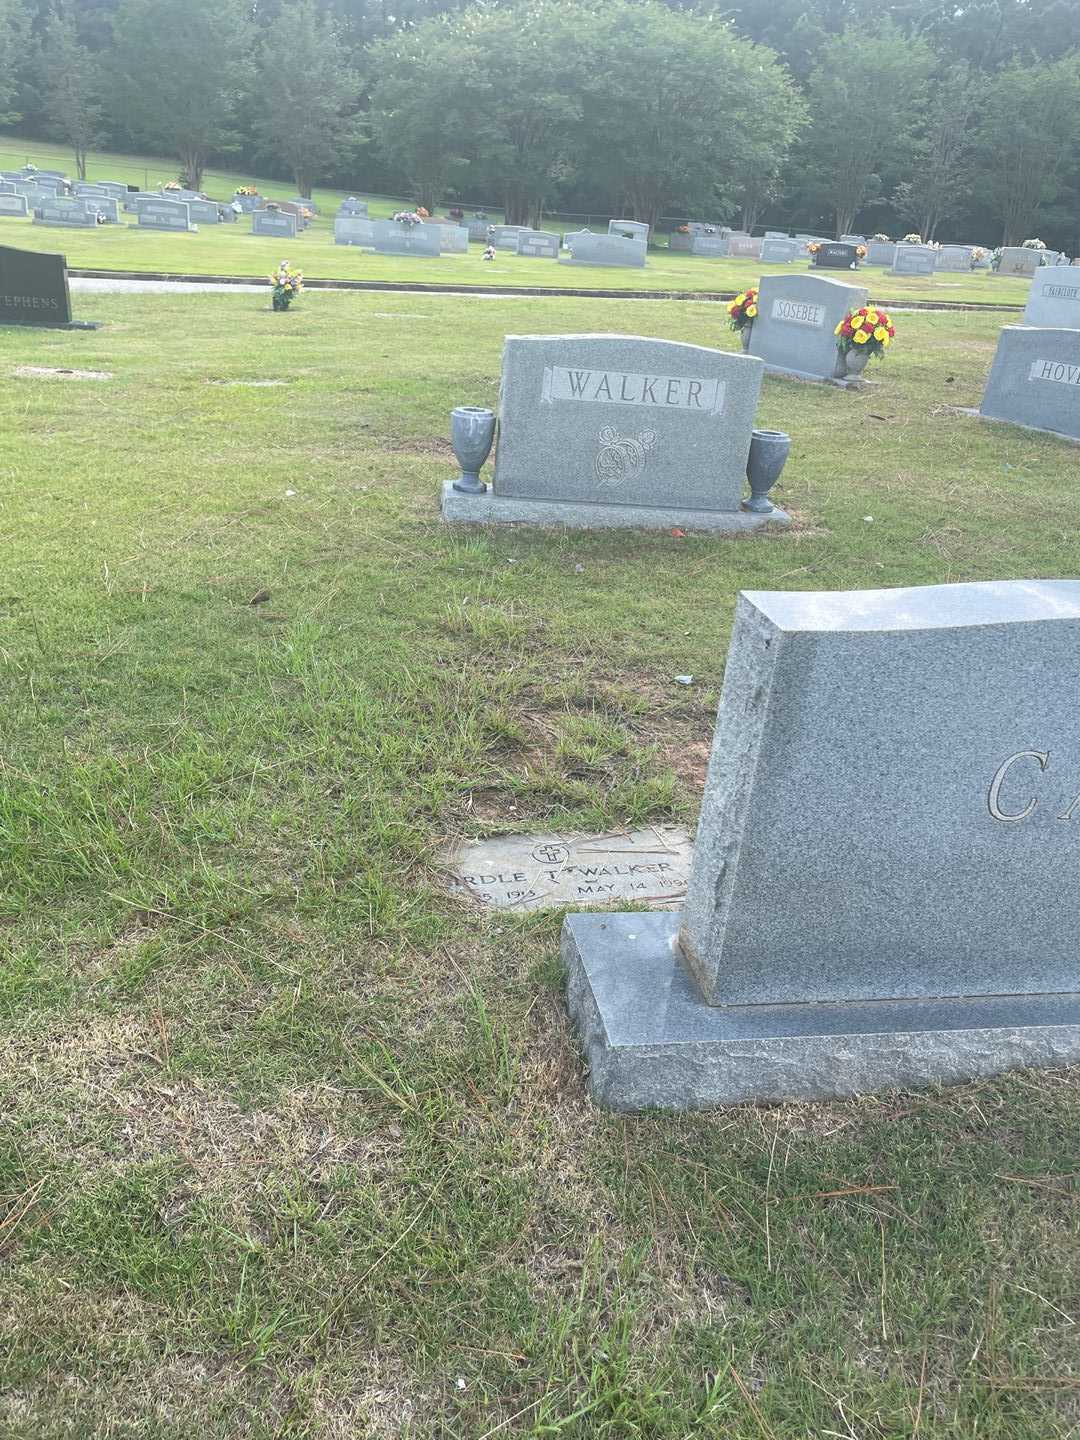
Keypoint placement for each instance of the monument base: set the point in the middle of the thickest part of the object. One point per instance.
(651, 1041)
(491, 509)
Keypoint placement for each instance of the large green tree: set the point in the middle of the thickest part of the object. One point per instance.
(71, 88)
(866, 94)
(14, 33)
(305, 93)
(176, 73)
(942, 156)
(1028, 133)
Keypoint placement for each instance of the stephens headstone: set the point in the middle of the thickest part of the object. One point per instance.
(392, 238)
(880, 252)
(1054, 299)
(539, 244)
(14, 205)
(354, 230)
(629, 229)
(779, 252)
(605, 250)
(914, 260)
(1015, 260)
(33, 289)
(1035, 380)
(955, 257)
(868, 908)
(836, 255)
(744, 247)
(277, 223)
(794, 332)
(599, 431)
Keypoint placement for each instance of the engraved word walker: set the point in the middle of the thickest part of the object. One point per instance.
(619, 387)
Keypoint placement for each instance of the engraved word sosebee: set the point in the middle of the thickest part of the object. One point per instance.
(1010, 798)
(619, 387)
(798, 312)
(1055, 370)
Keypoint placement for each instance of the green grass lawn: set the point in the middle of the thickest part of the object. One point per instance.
(294, 1144)
(233, 250)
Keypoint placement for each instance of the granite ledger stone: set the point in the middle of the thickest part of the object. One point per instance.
(884, 860)
(794, 332)
(1035, 379)
(612, 430)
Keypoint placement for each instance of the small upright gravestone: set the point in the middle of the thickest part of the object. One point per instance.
(1018, 260)
(278, 223)
(795, 329)
(602, 431)
(588, 249)
(1054, 298)
(914, 260)
(629, 229)
(1035, 380)
(393, 238)
(744, 247)
(956, 257)
(539, 244)
(779, 252)
(868, 907)
(836, 255)
(352, 207)
(204, 212)
(354, 230)
(15, 206)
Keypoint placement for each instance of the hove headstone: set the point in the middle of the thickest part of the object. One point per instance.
(33, 289)
(354, 230)
(779, 252)
(588, 249)
(956, 257)
(279, 223)
(795, 329)
(1015, 260)
(629, 229)
(914, 260)
(868, 908)
(72, 214)
(1054, 299)
(1035, 380)
(536, 872)
(14, 206)
(393, 238)
(157, 213)
(880, 252)
(744, 247)
(836, 255)
(539, 244)
(599, 431)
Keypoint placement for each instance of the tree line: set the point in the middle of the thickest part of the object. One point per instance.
(956, 120)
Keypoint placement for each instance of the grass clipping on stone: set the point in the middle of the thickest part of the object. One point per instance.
(296, 1145)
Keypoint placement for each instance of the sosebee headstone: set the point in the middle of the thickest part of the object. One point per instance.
(871, 905)
(599, 431)
(794, 332)
(1035, 379)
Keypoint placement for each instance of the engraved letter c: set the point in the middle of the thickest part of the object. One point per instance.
(994, 798)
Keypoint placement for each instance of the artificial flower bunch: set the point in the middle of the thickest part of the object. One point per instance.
(743, 309)
(869, 327)
(883, 239)
(172, 185)
(246, 190)
(287, 285)
(684, 230)
(409, 218)
(1033, 245)
(978, 254)
(812, 247)
(913, 239)
(861, 252)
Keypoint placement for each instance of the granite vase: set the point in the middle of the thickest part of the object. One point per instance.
(472, 432)
(745, 333)
(855, 360)
(769, 451)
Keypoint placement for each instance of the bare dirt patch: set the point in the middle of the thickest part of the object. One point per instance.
(48, 372)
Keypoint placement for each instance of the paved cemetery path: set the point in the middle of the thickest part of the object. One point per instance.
(119, 282)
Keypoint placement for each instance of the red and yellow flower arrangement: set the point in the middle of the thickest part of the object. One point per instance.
(868, 328)
(743, 309)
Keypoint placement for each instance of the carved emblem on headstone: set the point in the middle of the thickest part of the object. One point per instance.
(621, 455)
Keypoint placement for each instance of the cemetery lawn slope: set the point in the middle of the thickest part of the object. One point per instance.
(297, 1145)
(232, 250)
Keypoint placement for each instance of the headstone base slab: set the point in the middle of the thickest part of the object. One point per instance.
(650, 1041)
(492, 509)
(1016, 425)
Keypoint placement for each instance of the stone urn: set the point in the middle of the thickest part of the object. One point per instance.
(744, 335)
(768, 455)
(472, 431)
(853, 362)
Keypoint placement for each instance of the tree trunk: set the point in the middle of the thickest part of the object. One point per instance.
(192, 161)
(80, 163)
(844, 222)
(427, 197)
(303, 184)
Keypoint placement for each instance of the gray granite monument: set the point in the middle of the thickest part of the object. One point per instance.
(836, 255)
(744, 247)
(156, 213)
(956, 257)
(279, 223)
(393, 238)
(878, 896)
(780, 252)
(505, 237)
(14, 206)
(1035, 379)
(880, 252)
(588, 249)
(353, 208)
(794, 332)
(1054, 298)
(914, 260)
(539, 244)
(604, 431)
(629, 229)
(71, 214)
(1016, 260)
(354, 230)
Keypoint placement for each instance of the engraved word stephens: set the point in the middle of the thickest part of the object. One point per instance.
(1011, 811)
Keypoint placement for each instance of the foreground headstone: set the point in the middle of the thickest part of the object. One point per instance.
(602, 431)
(870, 905)
(1018, 260)
(1054, 298)
(536, 872)
(1035, 379)
(794, 332)
(34, 291)
(914, 260)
